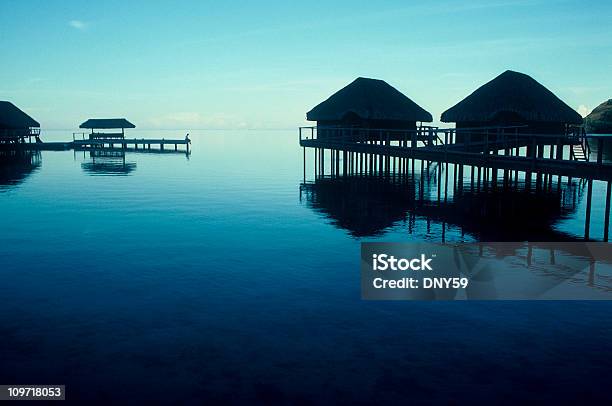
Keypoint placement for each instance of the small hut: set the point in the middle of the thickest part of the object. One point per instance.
(97, 124)
(367, 104)
(513, 99)
(600, 119)
(15, 125)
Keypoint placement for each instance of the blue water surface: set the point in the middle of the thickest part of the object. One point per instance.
(212, 277)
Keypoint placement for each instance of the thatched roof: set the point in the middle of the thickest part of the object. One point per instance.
(106, 123)
(370, 99)
(600, 119)
(516, 93)
(12, 117)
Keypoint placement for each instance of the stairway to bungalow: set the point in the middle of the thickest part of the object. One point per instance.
(578, 153)
(580, 148)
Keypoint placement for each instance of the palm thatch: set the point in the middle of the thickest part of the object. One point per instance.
(512, 94)
(107, 123)
(368, 99)
(11, 117)
(600, 119)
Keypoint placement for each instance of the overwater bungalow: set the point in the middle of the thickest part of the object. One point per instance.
(97, 124)
(367, 104)
(15, 125)
(513, 99)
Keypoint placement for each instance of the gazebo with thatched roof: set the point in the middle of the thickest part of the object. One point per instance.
(96, 124)
(513, 99)
(370, 104)
(15, 125)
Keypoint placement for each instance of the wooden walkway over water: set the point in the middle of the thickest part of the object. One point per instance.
(132, 144)
(374, 151)
(485, 151)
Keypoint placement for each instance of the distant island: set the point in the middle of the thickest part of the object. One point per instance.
(600, 119)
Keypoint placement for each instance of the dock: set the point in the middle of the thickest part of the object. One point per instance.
(494, 154)
(133, 144)
(378, 150)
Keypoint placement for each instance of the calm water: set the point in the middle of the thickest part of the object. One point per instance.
(223, 275)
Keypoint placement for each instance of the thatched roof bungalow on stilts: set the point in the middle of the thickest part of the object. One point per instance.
(94, 124)
(513, 99)
(367, 104)
(15, 125)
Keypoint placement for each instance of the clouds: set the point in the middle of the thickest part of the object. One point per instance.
(78, 24)
(583, 110)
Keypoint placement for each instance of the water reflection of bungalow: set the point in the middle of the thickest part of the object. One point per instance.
(105, 162)
(17, 165)
(370, 205)
(364, 206)
(15, 125)
(513, 99)
(97, 124)
(367, 104)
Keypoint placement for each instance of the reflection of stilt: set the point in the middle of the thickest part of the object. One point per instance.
(410, 224)
(587, 220)
(422, 183)
(439, 170)
(529, 254)
(527, 181)
(592, 272)
(446, 183)
(607, 212)
(471, 178)
(460, 180)
(454, 179)
(443, 231)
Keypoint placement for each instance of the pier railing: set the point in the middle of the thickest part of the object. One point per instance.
(477, 140)
(19, 132)
(512, 148)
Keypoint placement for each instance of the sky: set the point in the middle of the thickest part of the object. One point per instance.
(262, 65)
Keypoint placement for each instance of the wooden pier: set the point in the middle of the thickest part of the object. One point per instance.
(529, 153)
(493, 154)
(133, 145)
